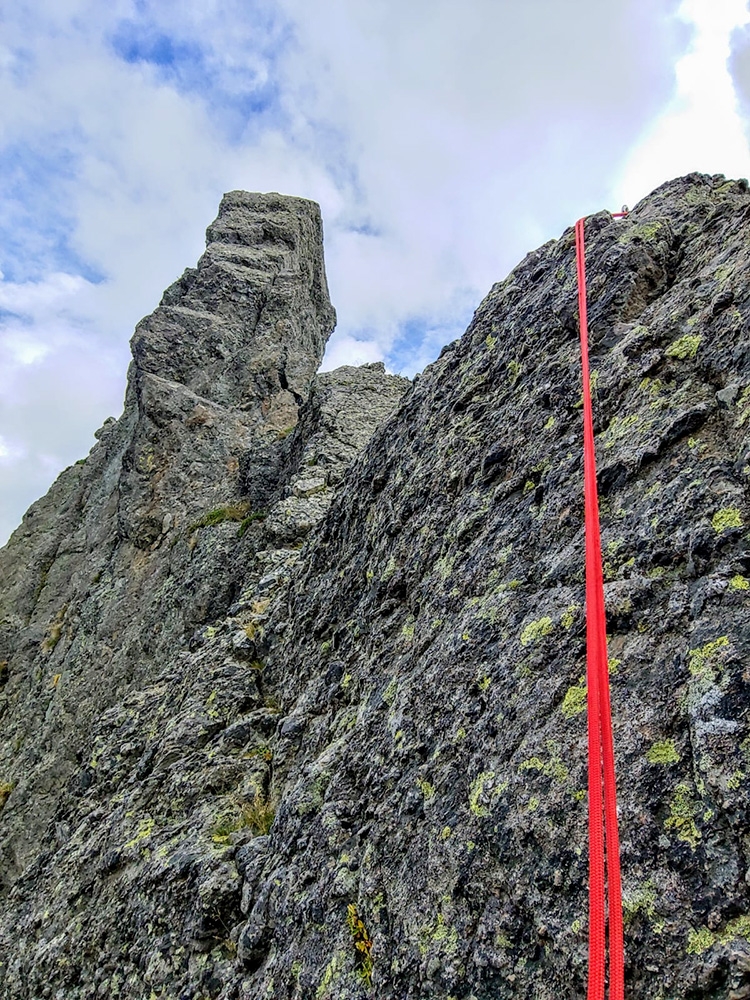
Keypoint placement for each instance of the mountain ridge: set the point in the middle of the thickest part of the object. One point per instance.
(322, 733)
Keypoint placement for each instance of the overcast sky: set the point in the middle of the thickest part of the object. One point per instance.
(443, 140)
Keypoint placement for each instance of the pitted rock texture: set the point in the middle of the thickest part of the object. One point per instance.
(366, 775)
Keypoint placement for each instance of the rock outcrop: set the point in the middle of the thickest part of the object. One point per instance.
(303, 715)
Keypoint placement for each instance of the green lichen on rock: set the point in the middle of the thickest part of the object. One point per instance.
(663, 752)
(407, 629)
(568, 616)
(700, 940)
(438, 937)
(684, 348)
(641, 900)
(703, 660)
(642, 231)
(682, 812)
(743, 407)
(483, 792)
(330, 974)
(536, 630)
(426, 789)
(618, 428)
(145, 829)
(739, 582)
(725, 518)
(574, 702)
(703, 938)
(553, 767)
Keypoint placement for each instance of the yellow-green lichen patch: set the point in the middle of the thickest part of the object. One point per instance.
(329, 976)
(703, 660)
(426, 789)
(617, 429)
(700, 941)
(641, 900)
(389, 695)
(145, 829)
(444, 567)
(536, 630)
(739, 582)
(484, 791)
(553, 767)
(651, 386)
(568, 616)
(438, 936)
(502, 941)
(684, 347)
(646, 231)
(574, 701)
(703, 938)
(681, 819)
(390, 569)
(726, 518)
(662, 752)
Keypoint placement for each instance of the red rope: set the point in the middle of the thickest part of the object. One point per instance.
(602, 789)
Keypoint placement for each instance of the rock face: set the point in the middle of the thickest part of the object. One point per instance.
(302, 715)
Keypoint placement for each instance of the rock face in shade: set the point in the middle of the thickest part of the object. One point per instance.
(321, 734)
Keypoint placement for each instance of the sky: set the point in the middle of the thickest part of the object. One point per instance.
(443, 141)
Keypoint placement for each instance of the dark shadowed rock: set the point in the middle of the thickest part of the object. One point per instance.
(337, 748)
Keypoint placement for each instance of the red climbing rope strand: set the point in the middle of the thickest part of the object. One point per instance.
(601, 778)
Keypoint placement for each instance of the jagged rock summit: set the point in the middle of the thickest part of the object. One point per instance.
(292, 674)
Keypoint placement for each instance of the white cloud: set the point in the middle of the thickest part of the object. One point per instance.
(349, 351)
(702, 128)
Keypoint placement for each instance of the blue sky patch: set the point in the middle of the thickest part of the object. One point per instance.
(35, 228)
(134, 44)
(242, 94)
(421, 334)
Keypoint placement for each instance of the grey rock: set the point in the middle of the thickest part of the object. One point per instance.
(403, 731)
(135, 716)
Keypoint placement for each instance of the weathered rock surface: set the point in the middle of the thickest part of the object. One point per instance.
(120, 570)
(245, 768)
